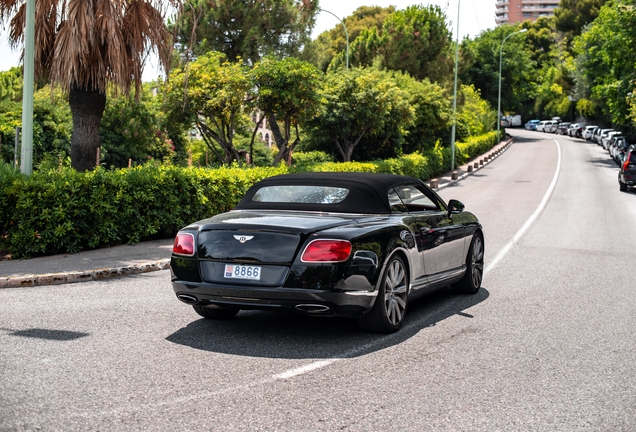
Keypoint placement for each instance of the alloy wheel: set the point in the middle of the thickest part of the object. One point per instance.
(395, 292)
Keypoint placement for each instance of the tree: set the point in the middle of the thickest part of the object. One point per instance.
(329, 43)
(212, 94)
(361, 103)
(11, 85)
(288, 93)
(573, 15)
(431, 105)
(480, 66)
(245, 29)
(608, 62)
(415, 40)
(84, 46)
(132, 130)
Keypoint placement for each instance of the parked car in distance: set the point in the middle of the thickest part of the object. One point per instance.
(627, 174)
(541, 125)
(353, 245)
(588, 131)
(562, 128)
(573, 128)
(612, 147)
(553, 126)
(601, 133)
(578, 131)
(532, 125)
(605, 139)
(622, 149)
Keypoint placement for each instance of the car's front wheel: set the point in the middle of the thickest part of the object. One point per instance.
(387, 314)
(219, 314)
(471, 282)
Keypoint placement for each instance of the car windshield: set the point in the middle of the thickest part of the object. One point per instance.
(301, 194)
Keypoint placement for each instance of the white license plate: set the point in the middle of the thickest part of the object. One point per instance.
(242, 272)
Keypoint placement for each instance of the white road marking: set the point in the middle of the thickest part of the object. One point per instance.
(544, 202)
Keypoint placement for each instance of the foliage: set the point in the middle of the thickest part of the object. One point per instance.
(85, 47)
(288, 93)
(475, 116)
(245, 30)
(212, 94)
(433, 114)
(362, 107)
(62, 210)
(131, 130)
(11, 85)
(51, 126)
(481, 67)
(329, 43)
(415, 40)
(573, 15)
(67, 211)
(607, 50)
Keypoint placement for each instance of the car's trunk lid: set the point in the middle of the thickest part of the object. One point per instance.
(257, 237)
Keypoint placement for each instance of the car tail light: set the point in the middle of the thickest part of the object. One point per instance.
(626, 164)
(183, 244)
(326, 251)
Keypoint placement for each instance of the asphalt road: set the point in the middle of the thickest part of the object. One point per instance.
(547, 344)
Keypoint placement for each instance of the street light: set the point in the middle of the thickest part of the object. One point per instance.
(346, 34)
(499, 98)
(26, 161)
(455, 93)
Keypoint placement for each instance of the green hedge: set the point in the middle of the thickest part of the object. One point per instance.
(63, 211)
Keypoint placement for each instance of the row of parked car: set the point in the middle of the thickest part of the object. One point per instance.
(619, 148)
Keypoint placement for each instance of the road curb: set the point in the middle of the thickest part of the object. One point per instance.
(82, 276)
(478, 162)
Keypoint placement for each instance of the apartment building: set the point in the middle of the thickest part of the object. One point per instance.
(512, 11)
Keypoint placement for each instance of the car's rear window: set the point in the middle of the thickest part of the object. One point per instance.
(301, 194)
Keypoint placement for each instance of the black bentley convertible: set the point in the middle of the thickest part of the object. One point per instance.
(335, 244)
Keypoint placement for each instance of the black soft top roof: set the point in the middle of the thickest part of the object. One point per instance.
(368, 192)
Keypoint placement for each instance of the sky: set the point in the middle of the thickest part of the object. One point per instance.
(475, 16)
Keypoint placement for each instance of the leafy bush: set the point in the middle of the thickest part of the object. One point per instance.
(60, 210)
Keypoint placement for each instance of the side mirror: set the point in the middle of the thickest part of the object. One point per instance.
(455, 207)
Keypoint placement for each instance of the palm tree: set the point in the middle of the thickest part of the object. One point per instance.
(87, 47)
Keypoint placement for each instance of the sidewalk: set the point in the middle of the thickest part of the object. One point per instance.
(125, 260)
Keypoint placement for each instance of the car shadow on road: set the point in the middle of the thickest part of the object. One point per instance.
(293, 336)
(607, 162)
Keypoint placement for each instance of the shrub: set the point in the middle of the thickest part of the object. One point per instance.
(63, 211)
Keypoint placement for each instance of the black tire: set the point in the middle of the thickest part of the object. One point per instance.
(471, 282)
(389, 309)
(218, 314)
(622, 186)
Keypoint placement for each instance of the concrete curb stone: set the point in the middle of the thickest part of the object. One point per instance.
(82, 276)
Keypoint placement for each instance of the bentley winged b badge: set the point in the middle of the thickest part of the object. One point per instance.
(243, 238)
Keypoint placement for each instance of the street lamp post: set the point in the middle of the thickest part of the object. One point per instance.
(346, 34)
(499, 97)
(455, 93)
(26, 160)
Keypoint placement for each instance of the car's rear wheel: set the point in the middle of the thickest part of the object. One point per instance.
(219, 314)
(622, 186)
(387, 314)
(471, 282)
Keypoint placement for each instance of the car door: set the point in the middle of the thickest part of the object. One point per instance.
(440, 237)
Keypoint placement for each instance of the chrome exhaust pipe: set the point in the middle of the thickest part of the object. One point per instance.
(312, 308)
(187, 298)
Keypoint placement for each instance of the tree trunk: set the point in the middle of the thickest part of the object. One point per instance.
(87, 107)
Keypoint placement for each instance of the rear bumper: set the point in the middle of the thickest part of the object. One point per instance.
(627, 179)
(299, 300)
